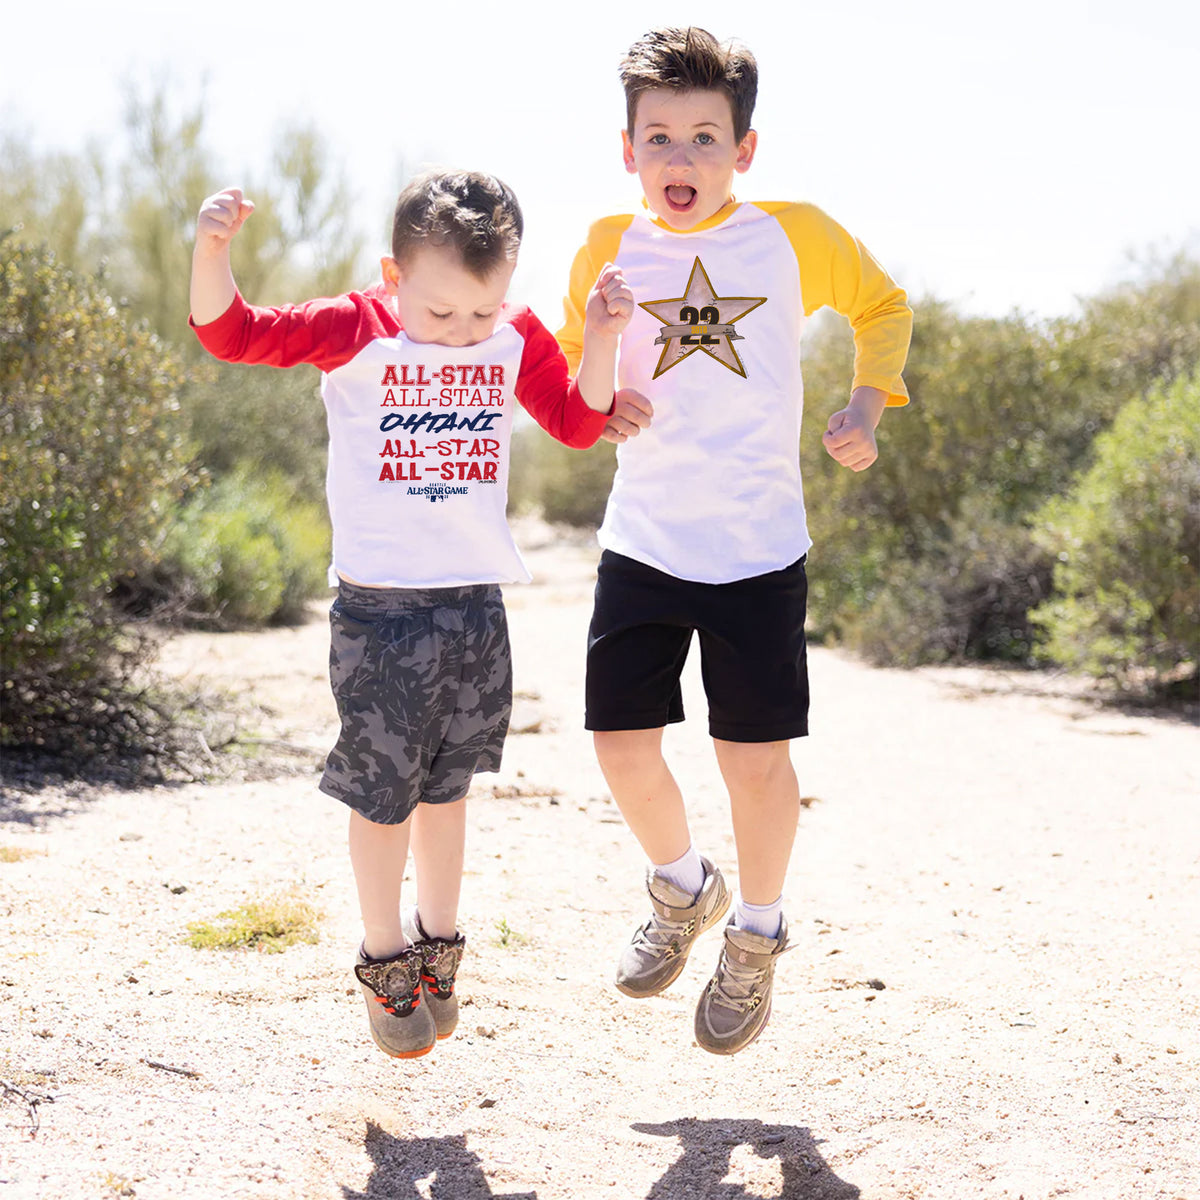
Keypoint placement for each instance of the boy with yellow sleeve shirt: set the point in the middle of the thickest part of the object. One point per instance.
(705, 527)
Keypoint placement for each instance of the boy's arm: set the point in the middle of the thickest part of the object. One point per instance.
(577, 411)
(608, 311)
(837, 270)
(323, 333)
(213, 288)
(631, 411)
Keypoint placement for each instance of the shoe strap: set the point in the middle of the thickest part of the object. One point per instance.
(395, 981)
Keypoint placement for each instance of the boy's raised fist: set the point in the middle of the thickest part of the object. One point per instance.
(222, 215)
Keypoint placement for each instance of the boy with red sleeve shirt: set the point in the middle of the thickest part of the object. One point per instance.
(421, 377)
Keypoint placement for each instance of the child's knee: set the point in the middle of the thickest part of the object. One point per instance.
(628, 750)
(755, 767)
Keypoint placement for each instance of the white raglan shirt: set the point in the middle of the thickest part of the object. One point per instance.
(712, 491)
(419, 433)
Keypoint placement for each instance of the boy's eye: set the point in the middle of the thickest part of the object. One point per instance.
(439, 316)
(658, 139)
(705, 139)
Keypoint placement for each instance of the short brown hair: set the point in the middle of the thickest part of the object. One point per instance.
(475, 214)
(691, 59)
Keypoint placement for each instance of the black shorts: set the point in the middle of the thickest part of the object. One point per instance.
(752, 651)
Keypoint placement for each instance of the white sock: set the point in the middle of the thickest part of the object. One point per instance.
(686, 872)
(766, 919)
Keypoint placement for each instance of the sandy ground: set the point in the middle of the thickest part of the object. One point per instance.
(993, 993)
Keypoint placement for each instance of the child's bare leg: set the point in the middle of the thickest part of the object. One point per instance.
(378, 854)
(439, 834)
(645, 790)
(764, 798)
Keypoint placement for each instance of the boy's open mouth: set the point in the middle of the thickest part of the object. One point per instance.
(680, 197)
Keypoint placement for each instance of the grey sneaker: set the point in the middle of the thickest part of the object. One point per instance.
(440, 958)
(658, 950)
(400, 1024)
(736, 1005)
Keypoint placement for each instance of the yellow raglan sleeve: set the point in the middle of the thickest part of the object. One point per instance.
(602, 246)
(838, 271)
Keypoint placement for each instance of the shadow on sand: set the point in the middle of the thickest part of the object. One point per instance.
(708, 1146)
(443, 1165)
(446, 1170)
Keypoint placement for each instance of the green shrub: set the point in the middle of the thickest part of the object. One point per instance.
(245, 552)
(968, 597)
(90, 459)
(259, 418)
(565, 486)
(1005, 412)
(1126, 542)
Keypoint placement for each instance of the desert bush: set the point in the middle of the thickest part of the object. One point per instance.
(969, 596)
(1005, 413)
(926, 530)
(245, 551)
(563, 485)
(1126, 545)
(91, 458)
(131, 220)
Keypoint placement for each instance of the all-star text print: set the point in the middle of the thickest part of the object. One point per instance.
(463, 384)
(410, 456)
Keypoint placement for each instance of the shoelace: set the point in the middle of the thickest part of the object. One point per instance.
(659, 933)
(735, 986)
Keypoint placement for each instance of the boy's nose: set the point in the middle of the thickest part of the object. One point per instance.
(680, 158)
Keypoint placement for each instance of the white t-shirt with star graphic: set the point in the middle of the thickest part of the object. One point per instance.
(712, 490)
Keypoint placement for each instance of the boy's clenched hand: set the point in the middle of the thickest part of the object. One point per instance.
(610, 303)
(850, 435)
(221, 216)
(631, 413)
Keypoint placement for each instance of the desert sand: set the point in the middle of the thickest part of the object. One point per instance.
(994, 989)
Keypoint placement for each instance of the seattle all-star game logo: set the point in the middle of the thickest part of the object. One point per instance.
(700, 320)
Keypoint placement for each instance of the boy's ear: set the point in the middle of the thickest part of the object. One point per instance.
(746, 149)
(627, 152)
(389, 268)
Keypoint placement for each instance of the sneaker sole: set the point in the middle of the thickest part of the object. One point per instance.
(418, 1053)
(642, 993)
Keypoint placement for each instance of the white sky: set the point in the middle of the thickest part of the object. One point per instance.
(1000, 156)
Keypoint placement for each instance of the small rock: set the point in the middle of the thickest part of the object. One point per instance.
(176, 889)
(130, 837)
(486, 1031)
(487, 1102)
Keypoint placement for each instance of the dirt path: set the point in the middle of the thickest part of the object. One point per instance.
(995, 905)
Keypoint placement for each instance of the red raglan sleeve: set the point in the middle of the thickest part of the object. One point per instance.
(547, 392)
(325, 333)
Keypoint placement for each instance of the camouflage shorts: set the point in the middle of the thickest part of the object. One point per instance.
(422, 678)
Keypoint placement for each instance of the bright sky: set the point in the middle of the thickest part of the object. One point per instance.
(1000, 156)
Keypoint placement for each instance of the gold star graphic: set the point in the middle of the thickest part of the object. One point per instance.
(700, 320)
